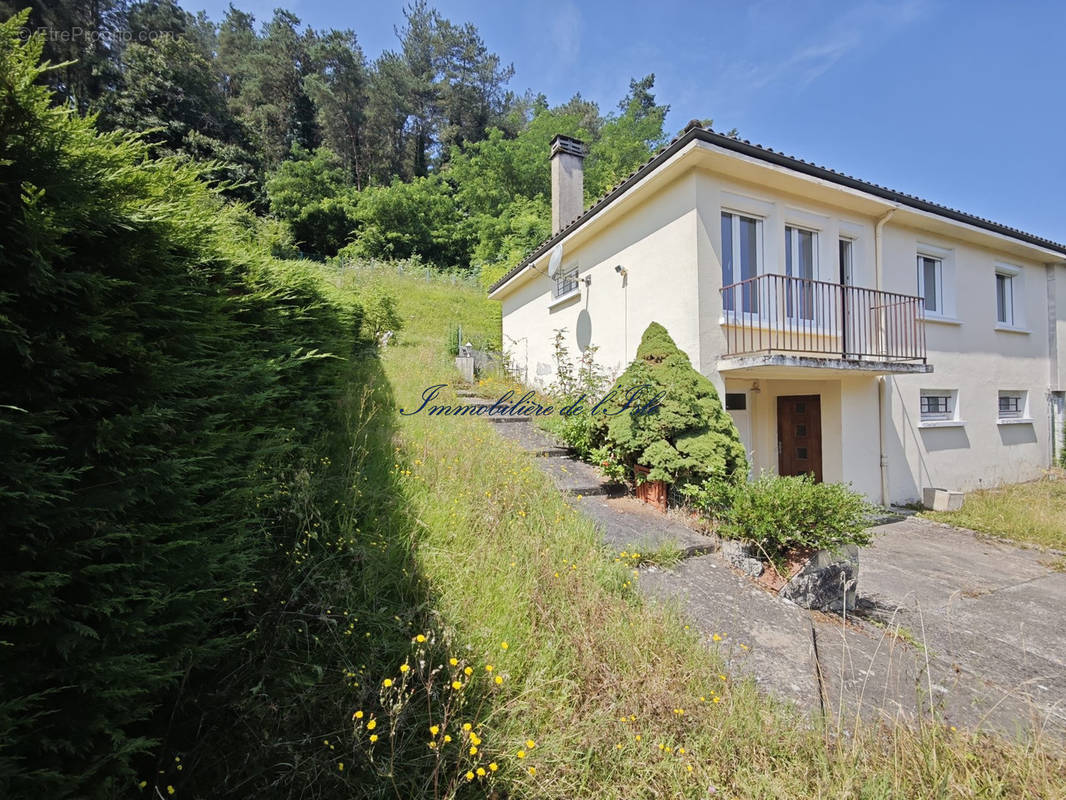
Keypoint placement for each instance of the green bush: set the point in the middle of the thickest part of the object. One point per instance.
(379, 312)
(780, 513)
(688, 437)
(575, 390)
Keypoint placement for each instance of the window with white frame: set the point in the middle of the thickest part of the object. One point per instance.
(741, 260)
(938, 405)
(931, 284)
(801, 252)
(1013, 405)
(1008, 285)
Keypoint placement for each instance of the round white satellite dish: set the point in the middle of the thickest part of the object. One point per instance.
(555, 260)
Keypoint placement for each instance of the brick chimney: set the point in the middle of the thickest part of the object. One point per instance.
(568, 180)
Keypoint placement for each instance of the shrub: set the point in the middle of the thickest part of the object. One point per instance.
(688, 437)
(576, 389)
(379, 312)
(780, 513)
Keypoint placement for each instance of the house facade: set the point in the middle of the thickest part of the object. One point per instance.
(854, 332)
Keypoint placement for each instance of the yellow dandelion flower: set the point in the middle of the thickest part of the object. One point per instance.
(357, 715)
(690, 768)
(504, 645)
(533, 770)
(457, 685)
(681, 750)
(372, 724)
(638, 737)
(493, 766)
(475, 739)
(447, 738)
(716, 638)
(716, 699)
(499, 680)
(467, 726)
(521, 754)
(473, 750)
(404, 668)
(387, 683)
(453, 661)
(432, 745)
(469, 775)
(420, 638)
(530, 744)
(434, 729)
(170, 789)
(468, 671)
(340, 766)
(373, 738)
(618, 746)
(142, 784)
(481, 772)
(489, 668)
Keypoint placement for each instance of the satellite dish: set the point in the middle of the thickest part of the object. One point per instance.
(555, 260)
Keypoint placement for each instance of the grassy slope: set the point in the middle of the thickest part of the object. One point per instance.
(1031, 513)
(620, 698)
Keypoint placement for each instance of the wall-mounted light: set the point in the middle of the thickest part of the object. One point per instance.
(621, 270)
(587, 280)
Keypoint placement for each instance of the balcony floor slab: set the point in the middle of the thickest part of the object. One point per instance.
(784, 365)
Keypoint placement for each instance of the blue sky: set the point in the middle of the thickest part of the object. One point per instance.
(961, 103)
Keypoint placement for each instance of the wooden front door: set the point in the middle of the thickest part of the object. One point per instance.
(799, 435)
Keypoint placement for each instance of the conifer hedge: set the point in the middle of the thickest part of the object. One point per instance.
(163, 379)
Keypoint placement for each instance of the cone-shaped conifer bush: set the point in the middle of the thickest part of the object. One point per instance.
(688, 437)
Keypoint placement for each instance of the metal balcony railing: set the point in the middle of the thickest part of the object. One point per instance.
(782, 314)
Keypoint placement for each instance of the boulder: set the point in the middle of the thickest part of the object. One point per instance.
(742, 557)
(827, 582)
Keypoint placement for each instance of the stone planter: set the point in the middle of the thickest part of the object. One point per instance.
(651, 492)
(827, 582)
(941, 499)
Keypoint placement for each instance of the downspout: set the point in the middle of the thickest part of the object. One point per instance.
(882, 381)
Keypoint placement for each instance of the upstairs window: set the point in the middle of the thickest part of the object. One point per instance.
(801, 250)
(741, 260)
(1008, 292)
(1004, 298)
(931, 283)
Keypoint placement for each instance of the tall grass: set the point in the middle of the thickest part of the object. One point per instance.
(1030, 513)
(619, 697)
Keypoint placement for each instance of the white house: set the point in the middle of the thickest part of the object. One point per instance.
(855, 332)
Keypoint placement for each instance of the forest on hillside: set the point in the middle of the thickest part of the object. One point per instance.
(424, 151)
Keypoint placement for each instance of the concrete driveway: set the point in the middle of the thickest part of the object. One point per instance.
(970, 626)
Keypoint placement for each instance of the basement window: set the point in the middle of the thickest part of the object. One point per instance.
(1013, 406)
(938, 408)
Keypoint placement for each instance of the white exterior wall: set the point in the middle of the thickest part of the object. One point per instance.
(971, 356)
(654, 242)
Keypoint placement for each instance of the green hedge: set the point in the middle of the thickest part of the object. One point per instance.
(165, 384)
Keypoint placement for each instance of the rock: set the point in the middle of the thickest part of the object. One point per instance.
(740, 556)
(827, 582)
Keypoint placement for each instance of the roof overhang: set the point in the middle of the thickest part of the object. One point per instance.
(741, 159)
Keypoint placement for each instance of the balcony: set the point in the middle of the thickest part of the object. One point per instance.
(777, 321)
